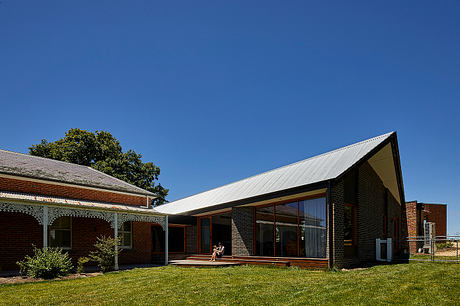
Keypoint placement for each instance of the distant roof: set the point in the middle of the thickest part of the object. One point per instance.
(30, 166)
(315, 169)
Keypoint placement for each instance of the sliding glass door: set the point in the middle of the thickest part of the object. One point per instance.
(205, 235)
(292, 229)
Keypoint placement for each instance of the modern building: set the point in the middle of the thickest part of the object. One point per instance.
(324, 211)
(49, 203)
(417, 214)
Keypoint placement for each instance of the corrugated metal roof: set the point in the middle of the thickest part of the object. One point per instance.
(316, 169)
(14, 163)
(40, 199)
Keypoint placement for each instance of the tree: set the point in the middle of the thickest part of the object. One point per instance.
(103, 152)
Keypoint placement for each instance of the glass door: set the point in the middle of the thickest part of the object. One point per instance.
(205, 235)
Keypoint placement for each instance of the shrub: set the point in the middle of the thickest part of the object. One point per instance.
(105, 253)
(80, 262)
(445, 245)
(46, 263)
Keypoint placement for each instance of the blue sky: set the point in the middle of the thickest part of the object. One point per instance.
(216, 91)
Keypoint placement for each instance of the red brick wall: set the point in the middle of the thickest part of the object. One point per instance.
(17, 234)
(437, 213)
(412, 224)
(19, 231)
(80, 193)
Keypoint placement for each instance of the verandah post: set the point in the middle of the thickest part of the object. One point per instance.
(115, 222)
(166, 241)
(45, 227)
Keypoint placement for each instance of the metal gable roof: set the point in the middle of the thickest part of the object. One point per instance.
(316, 169)
(24, 165)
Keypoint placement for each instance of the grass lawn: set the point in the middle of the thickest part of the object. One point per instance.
(414, 283)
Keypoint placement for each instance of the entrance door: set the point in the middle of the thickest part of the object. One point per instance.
(205, 228)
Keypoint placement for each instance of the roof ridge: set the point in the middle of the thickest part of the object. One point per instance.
(289, 165)
(41, 157)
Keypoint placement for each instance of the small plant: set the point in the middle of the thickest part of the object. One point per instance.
(445, 245)
(46, 263)
(105, 253)
(80, 262)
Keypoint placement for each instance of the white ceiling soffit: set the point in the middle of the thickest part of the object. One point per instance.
(306, 172)
(383, 164)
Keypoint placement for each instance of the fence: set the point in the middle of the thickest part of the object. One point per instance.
(436, 248)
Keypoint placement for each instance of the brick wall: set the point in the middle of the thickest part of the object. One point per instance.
(370, 209)
(191, 239)
(17, 234)
(437, 213)
(337, 198)
(19, 231)
(80, 193)
(416, 213)
(242, 231)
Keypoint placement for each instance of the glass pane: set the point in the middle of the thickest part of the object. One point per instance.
(61, 223)
(264, 231)
(60, 238)
(286, 229)
(205, 229)
(127, 226)
(312, 227)
(126, 242)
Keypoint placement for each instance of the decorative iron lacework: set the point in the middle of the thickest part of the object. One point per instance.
(57, 212)
(141, 218)
(35, 211)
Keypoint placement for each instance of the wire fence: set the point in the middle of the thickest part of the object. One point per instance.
(436, 248)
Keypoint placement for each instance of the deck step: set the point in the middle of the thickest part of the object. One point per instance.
(242, 260)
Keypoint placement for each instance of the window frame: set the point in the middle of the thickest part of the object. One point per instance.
(60, 229)
(274, 204)
(121, 233)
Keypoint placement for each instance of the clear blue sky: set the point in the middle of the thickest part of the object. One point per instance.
(216, 91)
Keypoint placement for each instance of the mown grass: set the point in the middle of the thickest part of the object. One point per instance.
(415, 283)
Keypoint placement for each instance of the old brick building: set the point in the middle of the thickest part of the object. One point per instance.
(418, 213)
(327, 210)
(49, 203)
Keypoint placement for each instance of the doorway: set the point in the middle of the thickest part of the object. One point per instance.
(214, 229)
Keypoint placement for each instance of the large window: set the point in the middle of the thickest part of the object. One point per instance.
(265, 222)
(312, 226)
(60, 233)
(292, 229)
(126, 235)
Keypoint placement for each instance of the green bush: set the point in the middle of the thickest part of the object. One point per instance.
(105, 253)
(46, 263)
(80, 262)
(445, 245)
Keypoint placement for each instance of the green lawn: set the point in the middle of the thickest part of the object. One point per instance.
(415, 283)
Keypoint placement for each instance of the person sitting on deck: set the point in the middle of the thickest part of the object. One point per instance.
(217, 251)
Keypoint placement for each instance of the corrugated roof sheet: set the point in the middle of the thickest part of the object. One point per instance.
(49, 169)
(39, 199)
(316, 169)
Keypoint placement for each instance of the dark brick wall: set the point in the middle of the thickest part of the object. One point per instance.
(242, 231)
(80, 193)
(19, 231)
(337, 198)
(17, 234)
(191, 239)
(370, 209)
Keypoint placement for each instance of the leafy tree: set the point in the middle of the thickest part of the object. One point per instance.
(103, 152)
